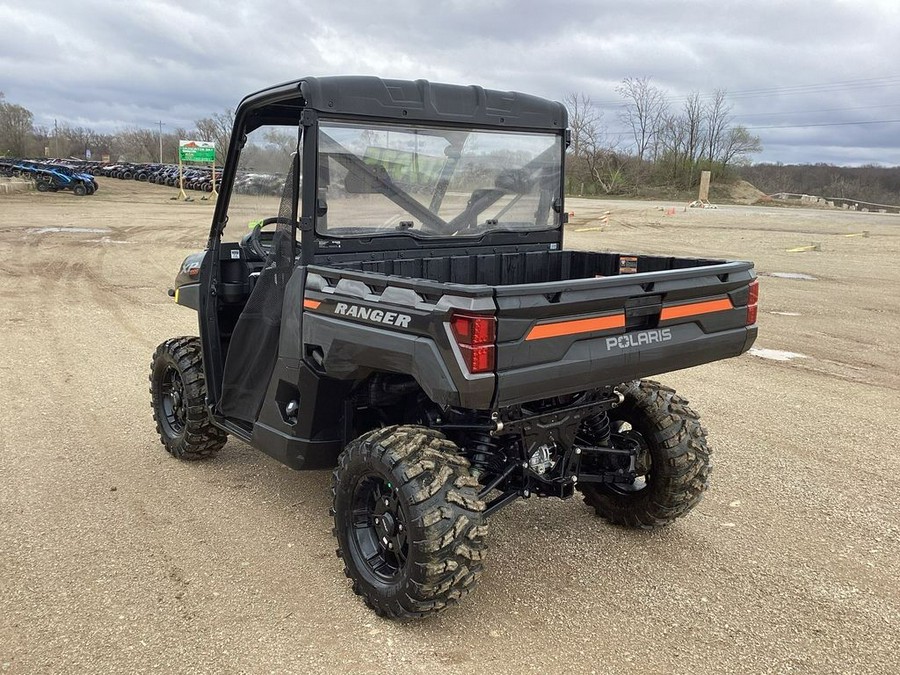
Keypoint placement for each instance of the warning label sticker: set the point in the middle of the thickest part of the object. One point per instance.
(627, 264)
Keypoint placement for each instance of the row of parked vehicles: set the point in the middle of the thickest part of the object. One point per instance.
(79, 176)
(51, 176)
(195, 178)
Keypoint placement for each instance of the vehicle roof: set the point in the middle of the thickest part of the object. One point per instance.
(403, 100)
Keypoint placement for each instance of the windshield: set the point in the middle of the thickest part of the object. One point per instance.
(435, 182)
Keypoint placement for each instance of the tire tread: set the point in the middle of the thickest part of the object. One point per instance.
(201, 438)
(680, 442)
(445, 558)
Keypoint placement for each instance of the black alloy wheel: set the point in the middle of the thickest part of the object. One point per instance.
(172, 402)
(178, 400)
(379, 528)
(408, 521)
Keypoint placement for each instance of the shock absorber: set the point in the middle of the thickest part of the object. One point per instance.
(485, 456)
(596, 429)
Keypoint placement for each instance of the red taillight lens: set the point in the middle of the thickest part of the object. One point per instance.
(479, 359)
(754, 292)
(752, 311)
(752, 300)
(475, 334)
(474, 329)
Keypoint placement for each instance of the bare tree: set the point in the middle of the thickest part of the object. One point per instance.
(39, 142)
(738, 145)
(76, 141)
(137, 145)
(868, 183)
(717, 117)
(595, 158)
(644, 111)
(217, 128)
(694, 133)
(673, 143)
(584, 121)
(16, 124)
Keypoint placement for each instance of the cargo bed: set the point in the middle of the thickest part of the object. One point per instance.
(566, 321)
(533, 267)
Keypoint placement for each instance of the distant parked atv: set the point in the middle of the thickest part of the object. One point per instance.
(407, 317)
(51, 177)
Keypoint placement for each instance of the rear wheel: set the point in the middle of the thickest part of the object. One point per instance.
(674, 468)
(178, 399)
(408, 521)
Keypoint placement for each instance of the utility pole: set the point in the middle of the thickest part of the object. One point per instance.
(56, 137)
(160, 141)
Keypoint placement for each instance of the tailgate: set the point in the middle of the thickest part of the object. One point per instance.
(562, 337)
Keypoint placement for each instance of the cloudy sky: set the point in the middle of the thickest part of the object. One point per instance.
(816, 81)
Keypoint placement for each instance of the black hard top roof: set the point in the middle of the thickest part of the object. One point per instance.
(402, 100)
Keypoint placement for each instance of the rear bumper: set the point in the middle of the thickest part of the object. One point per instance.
(610, 360)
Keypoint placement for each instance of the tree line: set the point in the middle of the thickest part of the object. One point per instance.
(875, 184)
(20, 137)
(664, 145)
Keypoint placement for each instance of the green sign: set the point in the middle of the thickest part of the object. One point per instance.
(197, 151)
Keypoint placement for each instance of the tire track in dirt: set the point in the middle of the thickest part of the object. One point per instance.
(76, 271)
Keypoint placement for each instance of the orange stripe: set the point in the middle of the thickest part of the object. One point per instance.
(311, 304)
(549, 330)
(695, 309)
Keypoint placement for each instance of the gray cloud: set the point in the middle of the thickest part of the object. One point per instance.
(113, 64)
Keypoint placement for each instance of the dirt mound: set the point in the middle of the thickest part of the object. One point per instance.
(738, 192)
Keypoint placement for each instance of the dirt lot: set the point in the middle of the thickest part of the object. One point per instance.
(114, 557)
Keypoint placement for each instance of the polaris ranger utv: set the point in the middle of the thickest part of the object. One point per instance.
(406, 315)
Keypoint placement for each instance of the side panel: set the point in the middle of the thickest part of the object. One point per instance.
(351, 329)
(313, 438)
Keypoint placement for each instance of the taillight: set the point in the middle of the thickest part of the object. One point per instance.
(475, 334)
(752, 302)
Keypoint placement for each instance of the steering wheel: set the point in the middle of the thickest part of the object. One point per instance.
(259, 243)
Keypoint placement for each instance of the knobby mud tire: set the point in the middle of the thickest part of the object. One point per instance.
(680, 462)
(438, 497)
(197, 437)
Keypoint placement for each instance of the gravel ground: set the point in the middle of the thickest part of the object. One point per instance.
(114, 557)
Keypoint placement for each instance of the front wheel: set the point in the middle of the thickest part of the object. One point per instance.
(178, 399)
(408, 521)
(675, 460)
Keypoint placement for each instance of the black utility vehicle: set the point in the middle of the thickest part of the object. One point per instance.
(406, 315)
